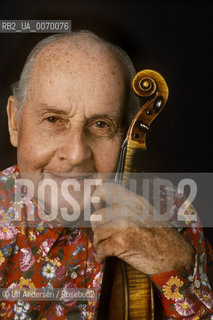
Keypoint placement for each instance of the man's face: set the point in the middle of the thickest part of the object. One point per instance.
(70, 125)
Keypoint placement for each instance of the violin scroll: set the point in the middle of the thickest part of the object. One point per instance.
(149, 84)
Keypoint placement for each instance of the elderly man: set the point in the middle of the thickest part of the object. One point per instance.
(67, 118)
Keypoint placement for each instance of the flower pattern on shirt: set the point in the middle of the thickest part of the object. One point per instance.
(186, 293)
(47, 258)
(43, 257)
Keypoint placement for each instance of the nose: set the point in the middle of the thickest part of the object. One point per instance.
(75, 150)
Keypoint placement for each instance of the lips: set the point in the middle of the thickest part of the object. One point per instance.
(60, 177)
(74, 177)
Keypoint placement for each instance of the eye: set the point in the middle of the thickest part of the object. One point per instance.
(52, 119)
(101, 124)
(101, 128)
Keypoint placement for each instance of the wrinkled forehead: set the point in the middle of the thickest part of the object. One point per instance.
(79, 56)
(87, 73)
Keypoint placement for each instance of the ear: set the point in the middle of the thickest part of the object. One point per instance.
(12, 113)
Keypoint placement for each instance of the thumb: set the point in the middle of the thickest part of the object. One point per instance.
(109, 193)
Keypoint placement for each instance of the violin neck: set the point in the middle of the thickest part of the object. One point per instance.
(128, 165)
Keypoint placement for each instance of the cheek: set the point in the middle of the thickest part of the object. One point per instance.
(32, 153)
(106, 157)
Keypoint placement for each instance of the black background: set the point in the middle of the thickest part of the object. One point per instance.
(173, 38)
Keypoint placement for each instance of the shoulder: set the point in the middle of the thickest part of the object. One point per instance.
(9, 172)
(8, 177)
(7, 192)
(7, 183)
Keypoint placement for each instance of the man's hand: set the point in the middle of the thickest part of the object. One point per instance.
(127, 229)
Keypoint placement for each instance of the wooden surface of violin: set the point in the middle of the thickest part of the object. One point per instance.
(131, 296)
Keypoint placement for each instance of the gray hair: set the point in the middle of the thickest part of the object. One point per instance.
(20, 87)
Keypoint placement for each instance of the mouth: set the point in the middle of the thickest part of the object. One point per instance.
(64, 176)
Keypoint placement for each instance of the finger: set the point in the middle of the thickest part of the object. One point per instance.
(101, 234)
(99, 218)
(117, 234)
(109, 247)
(106, 215)
(111, 193)
(112, 217)
(129, 203)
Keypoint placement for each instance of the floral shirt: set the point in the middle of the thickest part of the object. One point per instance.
(49, 259)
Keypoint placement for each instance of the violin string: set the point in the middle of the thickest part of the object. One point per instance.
(121, 161)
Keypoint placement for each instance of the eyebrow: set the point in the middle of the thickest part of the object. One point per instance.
(47, 108)
(112, 115)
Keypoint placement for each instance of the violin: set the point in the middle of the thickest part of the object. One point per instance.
(127, 294)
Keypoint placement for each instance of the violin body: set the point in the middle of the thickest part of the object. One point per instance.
(132, 294)
(127, 293)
